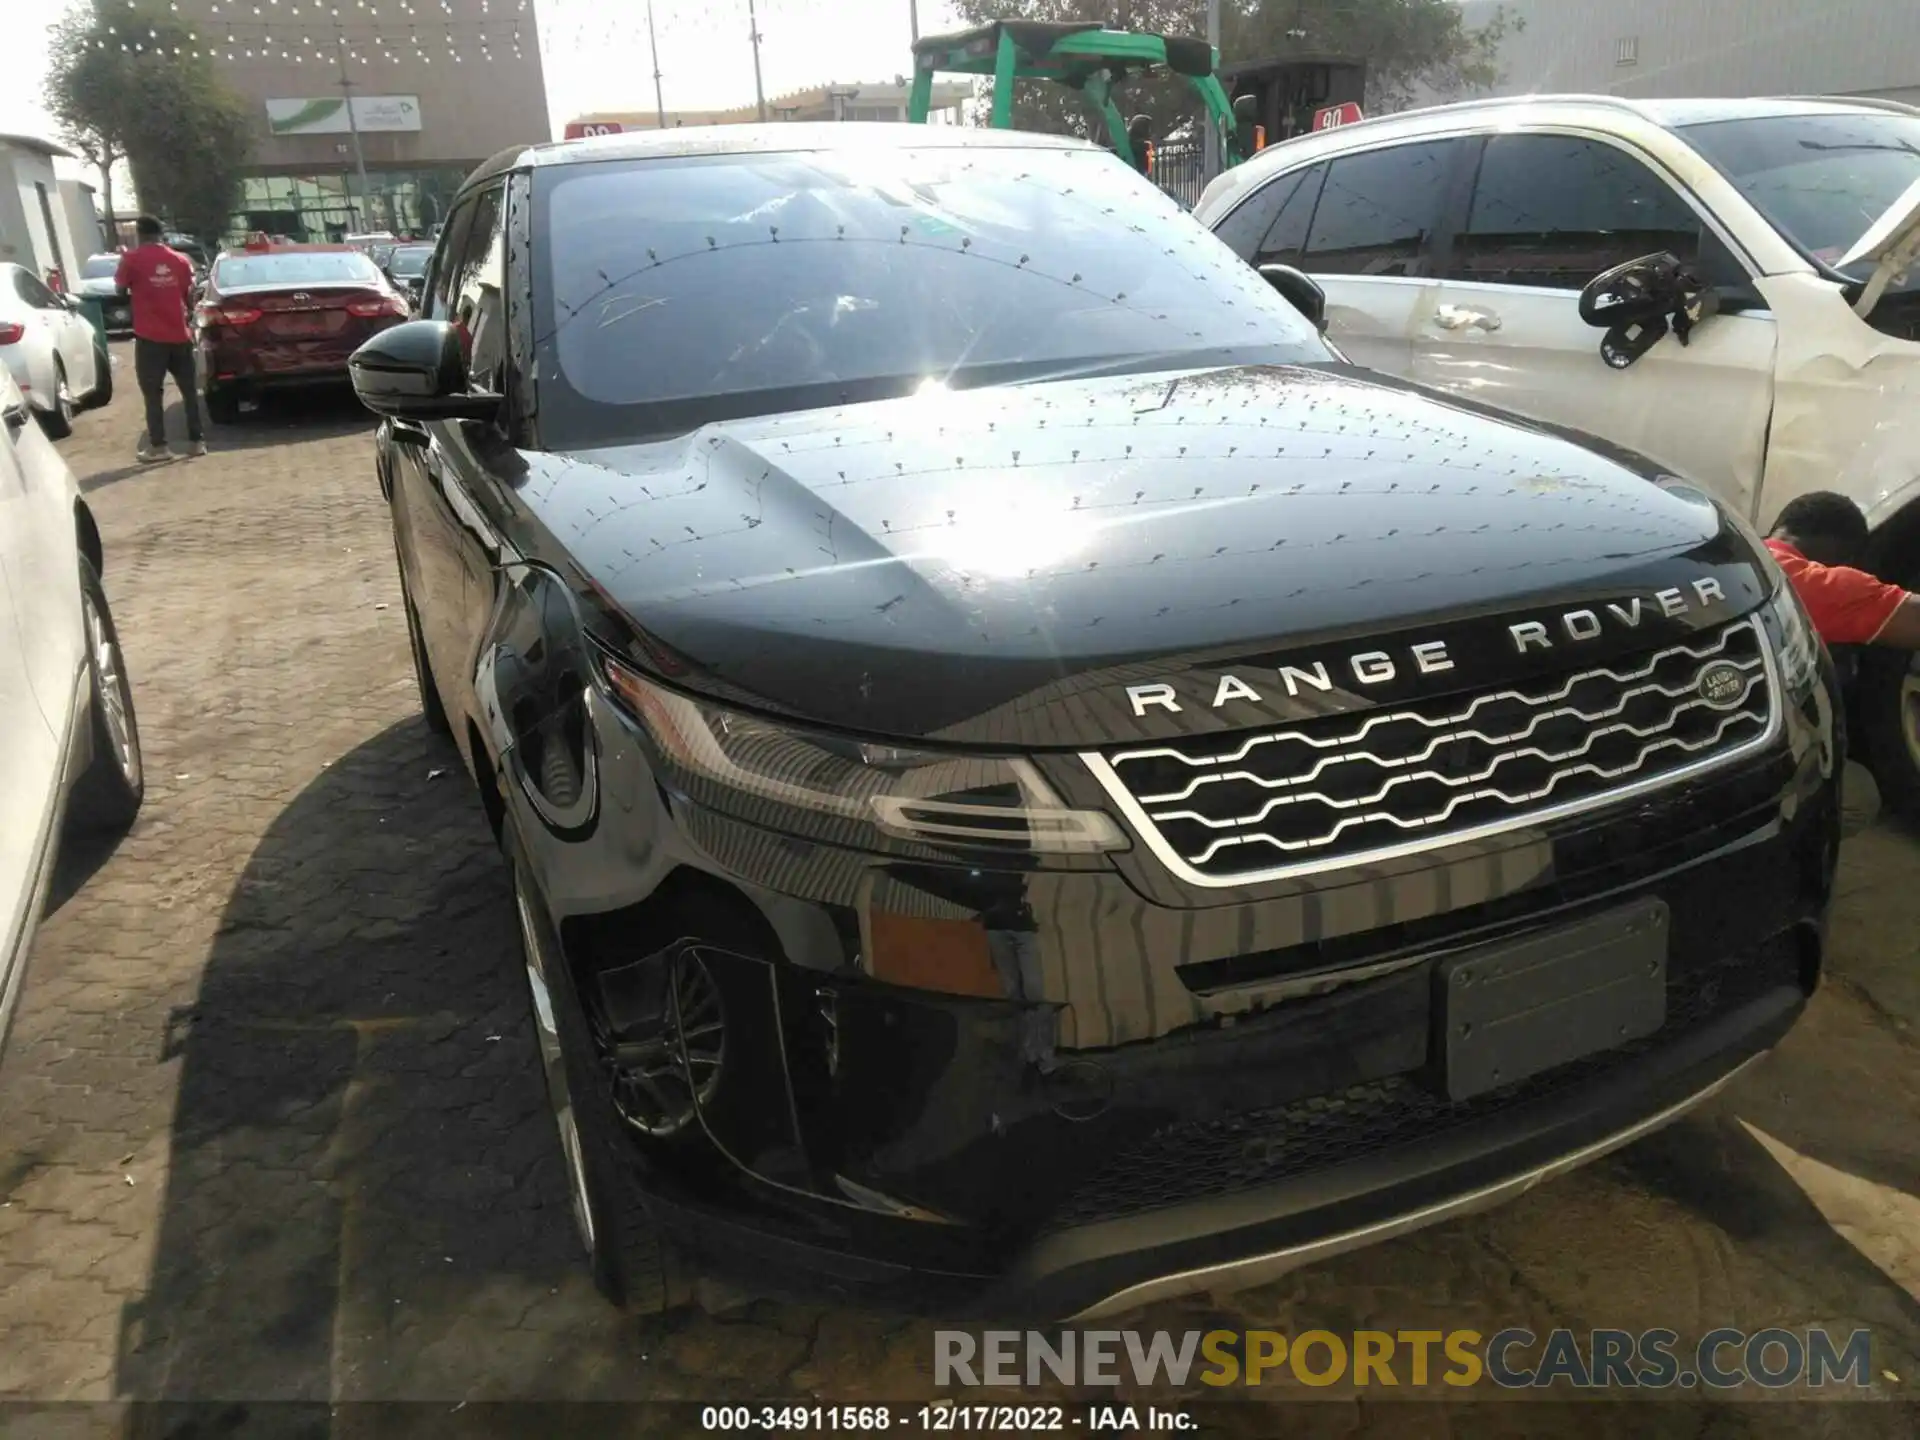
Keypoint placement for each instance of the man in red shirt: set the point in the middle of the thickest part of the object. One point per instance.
(158, 282)
(1816, 540)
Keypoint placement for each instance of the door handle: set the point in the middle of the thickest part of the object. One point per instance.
(1465, 317)
(15, 415)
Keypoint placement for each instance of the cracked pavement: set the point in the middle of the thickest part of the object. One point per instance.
(271, 1125)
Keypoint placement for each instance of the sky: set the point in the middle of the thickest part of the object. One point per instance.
(595, 54)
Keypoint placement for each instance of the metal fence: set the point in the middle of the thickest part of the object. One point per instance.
(1180, 169)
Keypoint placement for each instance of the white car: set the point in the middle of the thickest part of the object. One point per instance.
(98, 283)
(55, 356)
(1453, 245)
(71, 756)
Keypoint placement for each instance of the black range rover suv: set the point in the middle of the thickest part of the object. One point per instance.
(1030, 783)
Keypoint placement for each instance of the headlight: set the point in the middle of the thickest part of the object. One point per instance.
(842, 790)
(1796, 645)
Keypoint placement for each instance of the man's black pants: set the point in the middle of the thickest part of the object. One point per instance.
(153, 361)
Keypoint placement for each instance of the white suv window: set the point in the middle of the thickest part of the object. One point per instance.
(1378, 210)
(1553, 211)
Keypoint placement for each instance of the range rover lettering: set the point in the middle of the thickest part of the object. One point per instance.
(1032, 784)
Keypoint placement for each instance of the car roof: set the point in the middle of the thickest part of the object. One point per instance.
(769, 139)
(1669, 114)
(243, 253)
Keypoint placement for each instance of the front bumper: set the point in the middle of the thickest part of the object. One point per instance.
(1054, 1092)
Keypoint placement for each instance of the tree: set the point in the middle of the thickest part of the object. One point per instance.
(135, 89)
(1408, 46)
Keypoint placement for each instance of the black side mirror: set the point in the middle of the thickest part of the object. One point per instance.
(418, 371)
(1300, 290)
(1639, 302)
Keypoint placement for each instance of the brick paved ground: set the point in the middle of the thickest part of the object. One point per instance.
(271, 1128)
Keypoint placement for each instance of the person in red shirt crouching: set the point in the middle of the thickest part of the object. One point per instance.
(1817, 541)
(158, 282)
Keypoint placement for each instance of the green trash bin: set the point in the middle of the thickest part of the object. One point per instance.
(96, 316)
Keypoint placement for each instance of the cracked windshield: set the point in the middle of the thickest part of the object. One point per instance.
(1089, 716)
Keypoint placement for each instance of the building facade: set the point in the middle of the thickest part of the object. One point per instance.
(887, 101)
(1672, 48)
(35, 230)
(432, 90)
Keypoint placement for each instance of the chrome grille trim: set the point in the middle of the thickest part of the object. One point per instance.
(1344, 747)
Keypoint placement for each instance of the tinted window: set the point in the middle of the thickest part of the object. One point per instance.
(32, 291)
(1247, 225)
(298, 267)
(410, 260)
(1821, 179)
(438, 303)
(100, 267)
(1554, 211)
(670, 293)
(1271, 227)
(1376, 210)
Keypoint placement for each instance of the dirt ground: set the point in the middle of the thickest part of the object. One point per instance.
(271, 1127)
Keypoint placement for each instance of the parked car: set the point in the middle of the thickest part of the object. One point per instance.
(72, 751)
(370, 240)
(98, 282)
(406, 269)
(55, 356)
(1454, 245)
(286, 316)
(1031, 784)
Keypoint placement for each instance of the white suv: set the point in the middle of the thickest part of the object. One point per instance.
(1453, 245)
(69, 744)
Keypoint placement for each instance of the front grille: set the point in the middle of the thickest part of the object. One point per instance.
(1344, 790)
(1199, 1160)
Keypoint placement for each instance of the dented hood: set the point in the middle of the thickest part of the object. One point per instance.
(1890, 244)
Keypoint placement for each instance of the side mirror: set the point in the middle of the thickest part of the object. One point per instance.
(417, 370)
(1301, 291)
(1639, 302)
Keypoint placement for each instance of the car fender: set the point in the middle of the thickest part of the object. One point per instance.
(1846, 407)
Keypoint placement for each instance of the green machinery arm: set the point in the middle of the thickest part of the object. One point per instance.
(1080, 57)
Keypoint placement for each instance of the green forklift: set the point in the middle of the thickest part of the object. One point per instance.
(1088, 58)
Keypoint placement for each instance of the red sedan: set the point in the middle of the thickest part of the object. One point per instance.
(284, 316)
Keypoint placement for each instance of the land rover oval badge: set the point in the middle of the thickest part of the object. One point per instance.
(1723, 685)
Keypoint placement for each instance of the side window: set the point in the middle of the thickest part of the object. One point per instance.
(477, 290)
(1554, 211)
(437, 293)
(1376, 210)
(1247, 226)
(33, 292)
(1286, 238)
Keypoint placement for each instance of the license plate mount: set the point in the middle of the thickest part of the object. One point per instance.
(1510, 1011)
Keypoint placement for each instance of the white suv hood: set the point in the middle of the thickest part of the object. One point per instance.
(1893, 241)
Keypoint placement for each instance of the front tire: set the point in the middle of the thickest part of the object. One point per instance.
(58, 422)
(108, 794)
(102, 395)
(223, 406)
(633, 1264)
(1889, 701)
(431, 708)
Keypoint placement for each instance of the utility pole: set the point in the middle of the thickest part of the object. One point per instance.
(913, 18)
(1212, 152)
(659, 100)
(353, 124)
(759, 94)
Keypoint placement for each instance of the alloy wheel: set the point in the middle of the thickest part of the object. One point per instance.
(662, 1081)
(112, 693)
(553, 1062)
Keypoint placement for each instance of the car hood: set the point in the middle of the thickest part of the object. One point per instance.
(1002, 566)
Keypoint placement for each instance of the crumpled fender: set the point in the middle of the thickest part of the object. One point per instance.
(1846, 405)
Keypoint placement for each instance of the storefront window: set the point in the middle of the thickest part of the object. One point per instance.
(320, 208)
